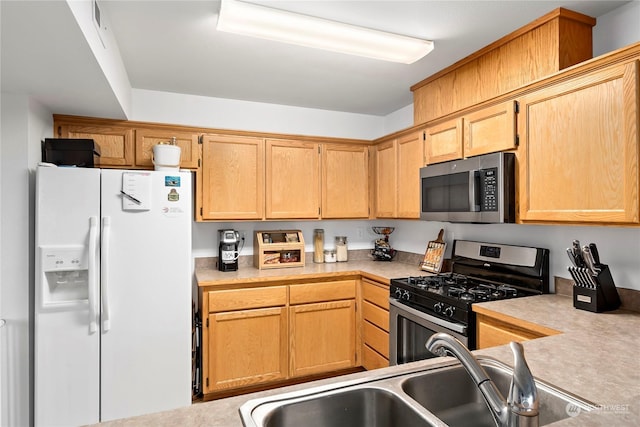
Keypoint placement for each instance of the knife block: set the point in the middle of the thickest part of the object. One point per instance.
(603, 298)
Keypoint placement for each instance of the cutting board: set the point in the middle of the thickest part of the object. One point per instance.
(434, 255)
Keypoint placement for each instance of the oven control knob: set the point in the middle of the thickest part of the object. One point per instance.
(398, 293)
(406, 295)
(449, 311)
(437, 307)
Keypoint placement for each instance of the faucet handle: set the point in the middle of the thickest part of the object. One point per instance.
(523, 394)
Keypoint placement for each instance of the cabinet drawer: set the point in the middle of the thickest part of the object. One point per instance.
(240, 299)
(321, 292)
(375, 294)
(376, 338)
(375, 315)
(371, 359)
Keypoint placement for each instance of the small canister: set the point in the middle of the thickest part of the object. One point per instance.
(329, 256)
(342, 253)
(318, 245)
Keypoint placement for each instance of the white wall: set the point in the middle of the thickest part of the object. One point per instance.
(24, 124)
(192, 110)
(617, 29)
(105, 49)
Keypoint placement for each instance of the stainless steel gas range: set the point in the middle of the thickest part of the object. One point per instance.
(421, 306)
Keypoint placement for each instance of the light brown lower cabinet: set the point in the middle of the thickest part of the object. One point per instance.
(248, 347)
(263, 335)
(375, 324)
(494, 329)
(245, 338)
(322, 337)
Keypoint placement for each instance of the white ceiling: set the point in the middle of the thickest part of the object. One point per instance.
(173, 46)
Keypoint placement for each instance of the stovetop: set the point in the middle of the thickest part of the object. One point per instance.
(481, 272)
(449, 295)
(459, 287)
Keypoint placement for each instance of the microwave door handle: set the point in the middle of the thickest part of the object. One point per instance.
(473, 191)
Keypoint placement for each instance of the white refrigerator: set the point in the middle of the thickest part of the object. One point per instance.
(112, 317)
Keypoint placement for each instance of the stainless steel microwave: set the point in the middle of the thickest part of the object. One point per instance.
(477, 189)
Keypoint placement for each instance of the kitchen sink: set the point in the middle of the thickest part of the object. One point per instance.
(450, 394)
(434, 396)
(359, 407)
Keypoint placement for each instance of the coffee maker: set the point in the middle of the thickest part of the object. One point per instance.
(228, 250)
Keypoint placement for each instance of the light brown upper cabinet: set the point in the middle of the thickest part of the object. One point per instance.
(125, 144)
(551, 43)
(410, 159)
(232, 177)
(386, 184)
(487, 130)
(443, 141)
(292, 179)
(397, 184)
(578, 157)
(116, 142)
(490, 129)
(345, 181)
(147, 138)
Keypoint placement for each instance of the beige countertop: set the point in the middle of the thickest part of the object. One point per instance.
(597, 355)
(381, 271)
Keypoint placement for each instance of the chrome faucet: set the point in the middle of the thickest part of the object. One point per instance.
(521, 406)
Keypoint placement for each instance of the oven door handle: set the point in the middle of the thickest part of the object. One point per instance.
(456, 327)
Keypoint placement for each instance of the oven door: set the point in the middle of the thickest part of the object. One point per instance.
(409, 330)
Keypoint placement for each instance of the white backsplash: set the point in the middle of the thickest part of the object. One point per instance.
(619, 247)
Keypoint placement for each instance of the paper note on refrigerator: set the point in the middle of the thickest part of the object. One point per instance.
(136, 191)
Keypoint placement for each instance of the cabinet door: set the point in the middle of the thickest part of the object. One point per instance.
(578, 157)
(293, 179)
(443, 141)
(410, 160)
(147, 138)
(386, 179)
(246, 348)
(232, 177)
(345, 181)
(116, 143)
(323, 337)
(490, 130)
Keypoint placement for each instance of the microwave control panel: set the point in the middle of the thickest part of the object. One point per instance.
(489, 189)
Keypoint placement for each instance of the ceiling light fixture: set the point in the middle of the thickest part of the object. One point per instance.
(288, 27)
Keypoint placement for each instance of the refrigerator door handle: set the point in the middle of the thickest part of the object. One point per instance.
(106, 236)
(93, 304)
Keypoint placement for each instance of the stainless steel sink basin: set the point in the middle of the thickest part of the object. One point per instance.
(438, 395)
(450, 394)
(367, 406)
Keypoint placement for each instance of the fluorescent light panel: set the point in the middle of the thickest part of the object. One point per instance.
(288, 27)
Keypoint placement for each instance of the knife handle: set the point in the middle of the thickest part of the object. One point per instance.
(594, 253)
(589, 261)
(572, 258)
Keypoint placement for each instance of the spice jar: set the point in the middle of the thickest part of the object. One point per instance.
(342, 253)
(329, 256)
(318, 245)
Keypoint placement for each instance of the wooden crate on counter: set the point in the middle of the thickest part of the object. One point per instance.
(278, 249)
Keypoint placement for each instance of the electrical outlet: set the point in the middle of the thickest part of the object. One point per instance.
(360, 231)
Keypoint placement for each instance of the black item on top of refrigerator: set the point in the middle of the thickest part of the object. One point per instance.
(70, 151)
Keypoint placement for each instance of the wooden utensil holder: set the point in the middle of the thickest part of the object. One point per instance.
(604, 297)
(278, 249)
